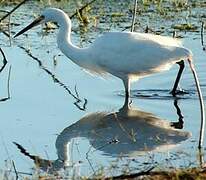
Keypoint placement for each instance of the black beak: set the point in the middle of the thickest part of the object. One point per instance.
(34, 23)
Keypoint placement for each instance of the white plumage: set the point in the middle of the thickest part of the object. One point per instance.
(127, 55)
(124, 53)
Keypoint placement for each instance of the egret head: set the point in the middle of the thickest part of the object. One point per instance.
(49, 14)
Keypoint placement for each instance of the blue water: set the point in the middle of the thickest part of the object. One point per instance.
(41, 115)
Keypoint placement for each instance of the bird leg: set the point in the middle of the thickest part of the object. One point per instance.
(179, 124)
(182, 65)
(127, 88)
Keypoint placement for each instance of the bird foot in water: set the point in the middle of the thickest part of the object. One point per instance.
(179, 92)
(177, 125)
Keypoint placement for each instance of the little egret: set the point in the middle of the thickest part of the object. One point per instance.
(126, 55)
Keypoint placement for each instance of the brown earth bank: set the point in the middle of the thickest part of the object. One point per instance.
(177, 174)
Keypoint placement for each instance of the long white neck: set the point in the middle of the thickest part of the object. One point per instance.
(73, 52)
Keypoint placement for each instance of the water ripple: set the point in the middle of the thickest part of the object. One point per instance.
(160, 94)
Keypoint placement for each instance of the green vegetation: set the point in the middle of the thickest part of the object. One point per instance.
(185, 27)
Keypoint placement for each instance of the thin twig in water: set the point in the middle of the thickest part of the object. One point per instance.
(131, 134)
(38, 161)
(8, 81)
(24, 151)
(130, 176)
(8, 87)
(202, 108)
(10, 12)
(134, 16)
(5, 33)
(85, 103)
(56, 80)
(4, 60)
(19, 172)
(202, 35)
(75, 88)
(9, 29)
(202, 32)
(87, 158)
(17, 176)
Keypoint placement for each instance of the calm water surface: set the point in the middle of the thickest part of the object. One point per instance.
(41, 115)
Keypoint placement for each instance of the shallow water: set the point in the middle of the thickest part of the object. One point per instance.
(41, 115)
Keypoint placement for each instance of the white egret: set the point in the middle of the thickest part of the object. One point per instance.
(126, 55)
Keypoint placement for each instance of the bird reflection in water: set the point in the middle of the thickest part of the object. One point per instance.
(128, 132)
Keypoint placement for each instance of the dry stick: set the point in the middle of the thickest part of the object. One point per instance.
(19, 172)
(202, 35)
(8, 83)
(4, 60)
(202, 125)
(10, 12)
(202, 32)
(17, 177)
(134, 16)
(37, 160)
(87, 158)
(9, 29)
(5, 33)
(8, 87)
(56, 80)
(24, 152)
(75, 88)
(130, 176)
(85, 104)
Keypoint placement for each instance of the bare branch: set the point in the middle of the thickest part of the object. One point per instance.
(75, 88)
(135, 175)
(4, 60)
(10, 12)
(202, 35)
(8, 83)
(56, 80)
(17, 176)
(134, 16)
